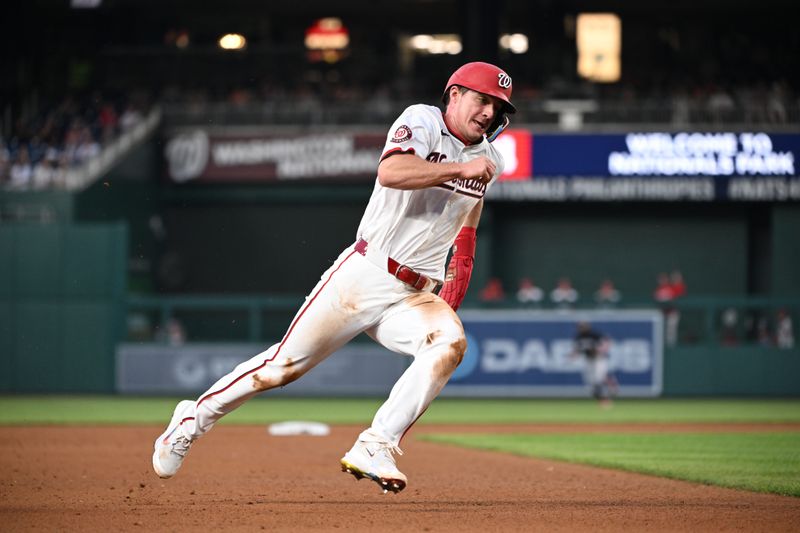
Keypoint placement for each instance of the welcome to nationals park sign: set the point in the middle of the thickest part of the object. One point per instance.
(636, 166)
(654, 166)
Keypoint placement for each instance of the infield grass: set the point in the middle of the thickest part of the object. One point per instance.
(761, 462)
(19, 410)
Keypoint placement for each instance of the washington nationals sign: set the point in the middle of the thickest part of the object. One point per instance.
(199, 156)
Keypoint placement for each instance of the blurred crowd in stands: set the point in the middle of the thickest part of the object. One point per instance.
(45, 144)
(760, 326)
(562, 296)
(319, 100)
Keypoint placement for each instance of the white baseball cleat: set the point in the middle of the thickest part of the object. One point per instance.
(374, 460)
(172, 446)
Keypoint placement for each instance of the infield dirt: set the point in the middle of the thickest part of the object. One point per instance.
(239, 478)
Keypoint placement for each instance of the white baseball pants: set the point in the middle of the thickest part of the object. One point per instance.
(354, 295)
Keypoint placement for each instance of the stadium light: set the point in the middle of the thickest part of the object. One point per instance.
(327, 40)
(85, 4)
(232, 41)
(421, 42)
(444, 43)
(599, 42)
(182, 39)
(327, 34)
(516, 43)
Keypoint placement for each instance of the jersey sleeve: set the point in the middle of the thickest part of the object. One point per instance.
(411, 133)
(500, 163)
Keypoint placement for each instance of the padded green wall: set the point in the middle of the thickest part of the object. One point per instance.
(731, 371)
(786, 251)
(629, 246)
(257, 249)
(62, 293)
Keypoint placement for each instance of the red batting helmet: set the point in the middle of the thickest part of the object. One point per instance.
(484, 78)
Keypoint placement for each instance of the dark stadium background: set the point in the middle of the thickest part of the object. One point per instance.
(77, 264)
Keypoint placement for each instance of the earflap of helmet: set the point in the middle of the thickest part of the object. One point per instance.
(497, 126)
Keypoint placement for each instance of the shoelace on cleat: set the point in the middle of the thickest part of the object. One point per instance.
(385, 446)
(385, 449)
(181, 446)
(392, 449)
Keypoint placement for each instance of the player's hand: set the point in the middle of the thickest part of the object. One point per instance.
(481, 169)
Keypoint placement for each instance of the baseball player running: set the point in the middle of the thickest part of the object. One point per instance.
(434, 171)
(594, 346)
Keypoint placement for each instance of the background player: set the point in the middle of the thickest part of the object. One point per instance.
(593, 346)
(432, 176)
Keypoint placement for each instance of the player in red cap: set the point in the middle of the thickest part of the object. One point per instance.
(391, 283)
(490, 80)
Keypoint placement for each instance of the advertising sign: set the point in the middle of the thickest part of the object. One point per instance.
(188, 369)
(530, 353)
(201, 157)
(515, 147)
(666, 154)
(637, 166)
(682, 166)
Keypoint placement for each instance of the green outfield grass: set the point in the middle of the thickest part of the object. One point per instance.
(767, 462)
(762, 462)
(133, 410)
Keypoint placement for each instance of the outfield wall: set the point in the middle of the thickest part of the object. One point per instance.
(731, 371)
(63, 308)
(512, 353)
(66, 289)
(509, 354)
(62, 293)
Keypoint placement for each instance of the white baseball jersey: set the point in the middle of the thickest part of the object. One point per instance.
(417, 227)
(358, 294)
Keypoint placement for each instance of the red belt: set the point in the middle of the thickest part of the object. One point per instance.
(405, 274)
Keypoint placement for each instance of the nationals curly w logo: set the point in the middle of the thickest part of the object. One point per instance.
(402, 134)
(504, 80)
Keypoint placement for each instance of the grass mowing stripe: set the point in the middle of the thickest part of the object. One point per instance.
(145, 410)
(761, 462)
(498, 411)
(134, 410)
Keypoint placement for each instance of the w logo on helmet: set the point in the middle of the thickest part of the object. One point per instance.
(504, 80)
